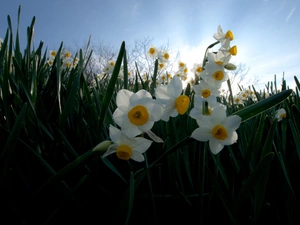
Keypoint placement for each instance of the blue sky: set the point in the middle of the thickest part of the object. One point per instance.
(266, 31)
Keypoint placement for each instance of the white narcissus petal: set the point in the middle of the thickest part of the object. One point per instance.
(131, 130)
(170, 110)
(161, 92)
(123, 97)
(146, 127)
(232, 122)
(124, 108)
(114, 133)
(175, 87)
(219, 33)
(137, 156)
(111, 149)
(154, 137)
(155, 109)
(194, 113)
(141, 144)
(232, 138)
(218, 115)
(134, 98)
(143, 94)
(119, 117)
(205, 121)
(202, 134)
(215, 146)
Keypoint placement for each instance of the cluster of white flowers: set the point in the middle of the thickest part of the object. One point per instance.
(211, 117)
(136, 113)
(67, 61)
(108, 70)
(243, 96)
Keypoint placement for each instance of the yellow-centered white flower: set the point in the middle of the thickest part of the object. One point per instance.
(170, 96)
(222, 37)
(218, 129)
(126, 148)
(152, 52)
(215, 75)
(280, 113)
(136, 112)
(205, 90)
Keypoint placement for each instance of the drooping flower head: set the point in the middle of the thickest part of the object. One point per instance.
(222, 37)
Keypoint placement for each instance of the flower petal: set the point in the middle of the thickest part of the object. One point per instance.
(174, 87)
(123, 97)
(119, 117)
(161, 92)
(114, 134)
(232, 138)
(131, 131)
(218, 115)
(141, 144)
(202, 134)
(232, 122)
(146, 127)
(111, 149)
(137, 156)
(215, 146)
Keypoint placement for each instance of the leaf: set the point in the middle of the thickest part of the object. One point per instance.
(111, 85)
(9, 147)
(262, 105)
(131, 197)
(227, 204)
(252, 180)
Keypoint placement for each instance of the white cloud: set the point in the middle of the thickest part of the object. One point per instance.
(290, 14)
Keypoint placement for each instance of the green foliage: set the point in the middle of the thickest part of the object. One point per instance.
(52, 119)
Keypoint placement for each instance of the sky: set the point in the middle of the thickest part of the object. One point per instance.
(266, 31)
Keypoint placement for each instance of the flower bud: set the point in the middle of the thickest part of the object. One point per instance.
(230, 66)
(103, 146)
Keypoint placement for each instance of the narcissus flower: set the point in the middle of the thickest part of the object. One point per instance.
(136, 112)
(215, 75)
(226, 49)
(205, 90)
(163, 55)
(197, 68)
(222, 37)
(53, 53)
(280, 113)
(126, 148)
(66, 54)
(218, 129)
(170, 96)
(152, 52)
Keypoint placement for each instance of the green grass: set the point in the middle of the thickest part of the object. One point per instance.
(51, 119)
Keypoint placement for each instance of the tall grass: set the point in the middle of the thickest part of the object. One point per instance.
(51, 119)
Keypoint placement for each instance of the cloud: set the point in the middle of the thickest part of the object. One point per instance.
(290, 14)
